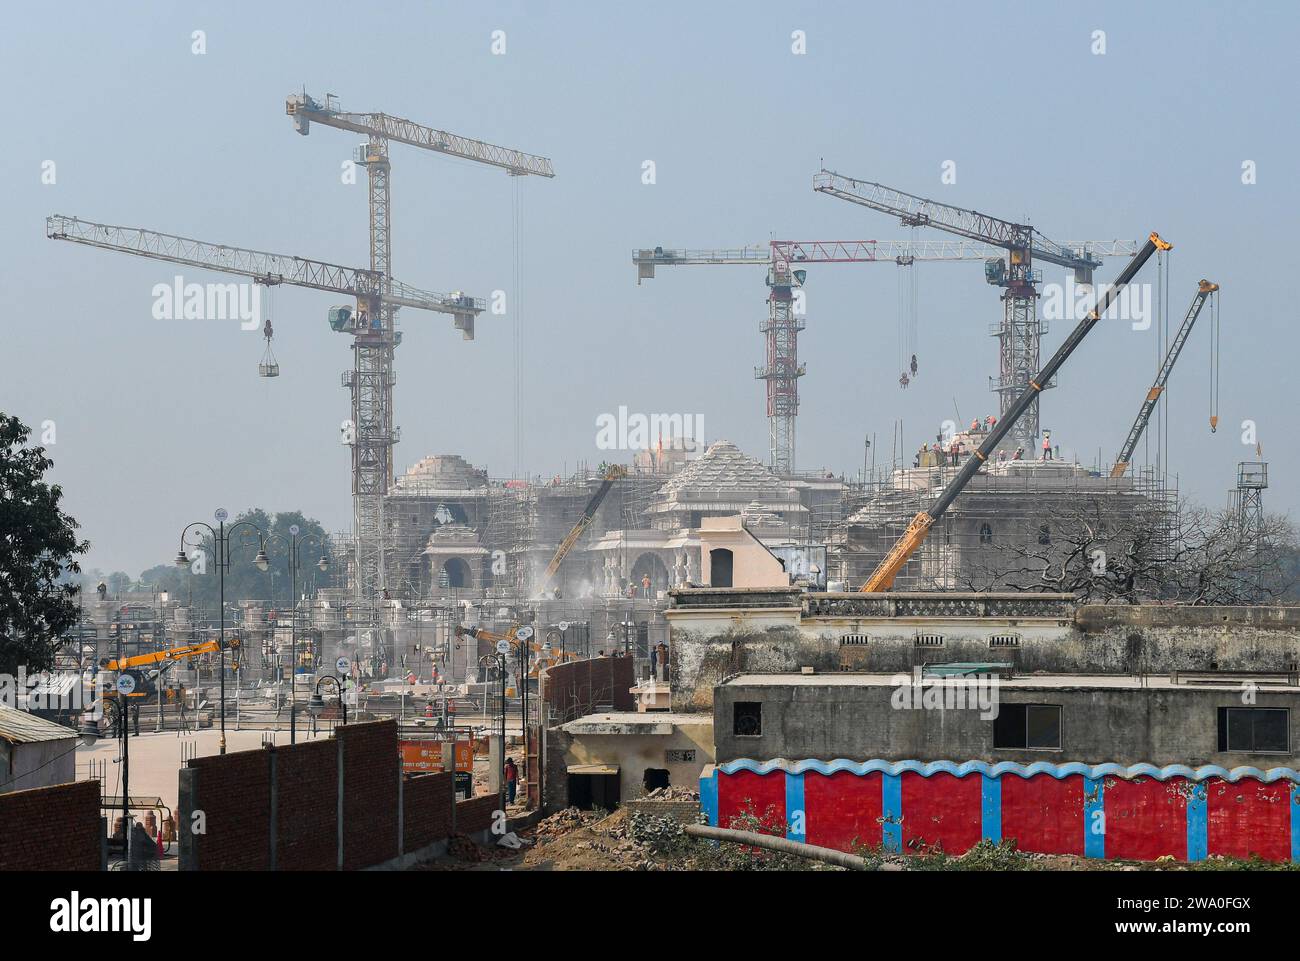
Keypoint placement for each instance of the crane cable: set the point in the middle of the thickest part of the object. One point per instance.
(1214, 362)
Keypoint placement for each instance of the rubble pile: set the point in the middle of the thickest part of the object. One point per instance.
(672, 794)
(562, 823)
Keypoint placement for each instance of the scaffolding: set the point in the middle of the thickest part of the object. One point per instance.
(1017, 505)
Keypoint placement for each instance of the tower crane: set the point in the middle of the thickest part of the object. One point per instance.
(1020, 331)
(371, 379)
(882, 578)
(781, 329)
(1125, 457)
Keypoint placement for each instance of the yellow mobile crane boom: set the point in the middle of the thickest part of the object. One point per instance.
(612, 474)
(1125, 457)
(883, 577)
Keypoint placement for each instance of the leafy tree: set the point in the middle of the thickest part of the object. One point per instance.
(243, 580)
(38, 553)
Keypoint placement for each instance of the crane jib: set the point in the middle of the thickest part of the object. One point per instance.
(1044, 376)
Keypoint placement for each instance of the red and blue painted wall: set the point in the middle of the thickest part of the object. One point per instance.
(1140, 812)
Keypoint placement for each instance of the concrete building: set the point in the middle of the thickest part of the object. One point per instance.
(603, 760)
(720, 632)
(1192, 718)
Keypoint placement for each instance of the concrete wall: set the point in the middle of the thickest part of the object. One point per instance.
(717, 633)
(1161, 726)
(38, 764)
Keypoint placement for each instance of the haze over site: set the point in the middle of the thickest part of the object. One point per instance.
(160, 422)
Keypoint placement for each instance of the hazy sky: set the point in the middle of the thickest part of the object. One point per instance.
(159, 422)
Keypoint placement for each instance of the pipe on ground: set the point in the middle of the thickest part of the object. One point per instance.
(766, 841)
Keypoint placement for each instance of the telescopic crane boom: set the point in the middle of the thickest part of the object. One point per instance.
(883, 577)
(1125, 457)
(593, 505)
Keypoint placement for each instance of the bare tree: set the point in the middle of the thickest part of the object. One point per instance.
(1102, 555)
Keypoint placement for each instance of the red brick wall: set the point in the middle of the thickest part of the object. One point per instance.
(574, 689)
(51, 828)
(234, 794)
(371, 766)
(475, 815)
(426, 809)
(307, 777)
(234, 791)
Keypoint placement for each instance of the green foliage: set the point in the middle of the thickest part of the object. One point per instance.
(243, 580)
(38, 555)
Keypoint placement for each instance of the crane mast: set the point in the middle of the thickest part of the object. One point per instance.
(1125, 456)
(883, 577)
(782, 369)
(370, 381)
(1020, 332)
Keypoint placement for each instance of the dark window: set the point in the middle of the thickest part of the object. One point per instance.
(719, 567)
(747, 719)
(1033, 726)
(1044, 535)
(1254, 730)
(986, 534)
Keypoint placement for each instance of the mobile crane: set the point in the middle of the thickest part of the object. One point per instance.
(882, 579)
(1125, 457)
(145, 682)
(612, 474)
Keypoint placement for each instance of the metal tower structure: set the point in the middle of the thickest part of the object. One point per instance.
(371, 378)
(785, 319)
(1020, 331)
(1248, 496)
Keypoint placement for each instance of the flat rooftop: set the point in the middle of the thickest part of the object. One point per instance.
(633, 722)
(1186, 680)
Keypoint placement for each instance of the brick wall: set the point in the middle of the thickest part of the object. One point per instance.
(576, 688)
(51, 828)
(234, 794)
(237, 793)
(307, 778)
(426, 804)
(475, 815)
(371, 768)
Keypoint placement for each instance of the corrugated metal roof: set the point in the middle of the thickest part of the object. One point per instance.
(19, 727)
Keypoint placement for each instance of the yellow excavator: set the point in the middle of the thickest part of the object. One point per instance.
(537, 662)
(882, 579)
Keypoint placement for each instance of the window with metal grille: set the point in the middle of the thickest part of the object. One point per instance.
(929, 640)
(1004, 640)
(1254, 730)
(854, 639)
(1030, 726)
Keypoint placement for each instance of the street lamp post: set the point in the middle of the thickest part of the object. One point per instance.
(317, 703)
(221, 553)
(263, 563)
(500, 660)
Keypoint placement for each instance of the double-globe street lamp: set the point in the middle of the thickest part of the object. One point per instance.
(263, 563)
(221, 555)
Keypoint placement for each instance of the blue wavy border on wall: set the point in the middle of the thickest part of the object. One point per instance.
(925, 769)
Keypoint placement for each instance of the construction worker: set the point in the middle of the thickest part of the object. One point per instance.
(990, 422)
(903, 381)
(914, 365)
(975, 426)
(1047, 445)
(512, 780)
(1019, 454)
(645, 585)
